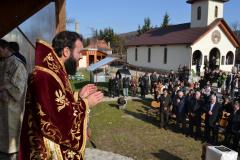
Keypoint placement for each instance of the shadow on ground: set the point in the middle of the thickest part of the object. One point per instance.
(142, 116)
(144, 101)
(164, 155)
(114, 105)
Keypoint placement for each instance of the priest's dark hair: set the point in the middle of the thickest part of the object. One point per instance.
(65, 39)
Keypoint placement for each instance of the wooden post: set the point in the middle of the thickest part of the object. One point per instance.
(87, 57)
(95, 56)
(60, 15)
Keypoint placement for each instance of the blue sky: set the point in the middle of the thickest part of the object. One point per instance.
(125, 15)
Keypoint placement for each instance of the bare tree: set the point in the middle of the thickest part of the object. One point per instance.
(70, 21)
(236, 28)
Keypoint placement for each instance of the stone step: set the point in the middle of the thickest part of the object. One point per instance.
(96, 154)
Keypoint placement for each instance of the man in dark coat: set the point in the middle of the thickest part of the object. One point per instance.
(146, 83)
(195, 111)
(213, 115)
(228, 113)
(126, 83)
(202, 83)
(165, 104)
(116, 86)
(141, 82)
(236, 126)
(153, 79)
(179, 106)
(111, 87)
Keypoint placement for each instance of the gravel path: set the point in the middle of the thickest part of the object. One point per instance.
(96, 154)
(149, 96)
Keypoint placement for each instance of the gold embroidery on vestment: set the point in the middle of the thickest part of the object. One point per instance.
(61, 100)
(51, 63)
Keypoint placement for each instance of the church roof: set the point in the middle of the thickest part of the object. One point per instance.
(179, 34)
(192, 1)
(174, 34)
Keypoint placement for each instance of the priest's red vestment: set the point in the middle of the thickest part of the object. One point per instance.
(55, 123)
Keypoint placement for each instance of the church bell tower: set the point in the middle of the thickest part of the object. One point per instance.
(204, 12)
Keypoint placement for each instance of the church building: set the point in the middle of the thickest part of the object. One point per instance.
(206, 41)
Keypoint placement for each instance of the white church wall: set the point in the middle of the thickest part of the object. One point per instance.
(176, 55)
(205, 45)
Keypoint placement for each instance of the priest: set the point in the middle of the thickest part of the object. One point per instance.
(56, 118)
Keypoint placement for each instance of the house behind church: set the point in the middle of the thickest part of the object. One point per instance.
(94, 52)
(206, 40)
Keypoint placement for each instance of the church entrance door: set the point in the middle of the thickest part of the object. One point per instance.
(214, 59)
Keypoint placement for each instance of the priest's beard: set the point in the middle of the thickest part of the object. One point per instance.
(71, 66)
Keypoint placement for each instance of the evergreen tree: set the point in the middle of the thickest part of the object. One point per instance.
(166, 21)
(146, 27)
(108, 35)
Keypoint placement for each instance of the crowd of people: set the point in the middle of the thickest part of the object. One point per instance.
(199, 108)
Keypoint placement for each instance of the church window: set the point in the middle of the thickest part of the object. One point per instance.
(149, 55)
(197, 58)
(165, 56)
(136, 54)
(216, 11)
(229, 58)
(199, 13)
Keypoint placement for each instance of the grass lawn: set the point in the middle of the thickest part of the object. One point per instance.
(132, 133)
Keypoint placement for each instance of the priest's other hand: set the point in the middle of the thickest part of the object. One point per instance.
(95, 98)
(87, 90)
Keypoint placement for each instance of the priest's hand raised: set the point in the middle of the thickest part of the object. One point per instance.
(87, 90)
(95, 98)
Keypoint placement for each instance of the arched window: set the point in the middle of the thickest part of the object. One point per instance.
(197, 58)
(216, 11)
(229, 58)
(199, 13)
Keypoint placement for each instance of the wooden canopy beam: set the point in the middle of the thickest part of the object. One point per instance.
(15, 12)
(60, 15)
